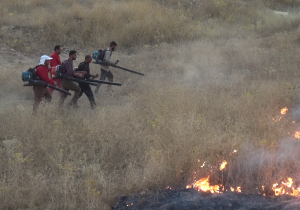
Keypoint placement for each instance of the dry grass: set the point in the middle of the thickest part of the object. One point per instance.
(96, 23)
(199, 100)
(275, 4)
(93, 24)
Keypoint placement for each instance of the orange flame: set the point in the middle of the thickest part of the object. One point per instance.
(203, 185)
(223, 165)
(289, 183)
(276, 119)
(297, 135)
(284, 110)
(286, 188)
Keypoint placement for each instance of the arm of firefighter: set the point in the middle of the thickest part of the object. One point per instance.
(108, 56)
(55, 60)
(44, 76)
(78, 75)
(81, 69)
(58, 61)
(52, 62)
(94, 76)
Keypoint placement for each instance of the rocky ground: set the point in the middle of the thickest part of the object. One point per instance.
(189, 199)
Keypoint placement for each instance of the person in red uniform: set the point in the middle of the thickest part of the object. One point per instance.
(55, 61)
(42, 91)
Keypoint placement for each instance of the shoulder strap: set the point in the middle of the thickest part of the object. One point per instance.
(37, 66)
(105, 53)
(34, 68)
(63, 66)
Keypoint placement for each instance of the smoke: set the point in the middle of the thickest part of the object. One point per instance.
(201, 62)
(256, 167)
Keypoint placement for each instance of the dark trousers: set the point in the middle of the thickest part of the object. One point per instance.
(39, 93)
(86, 89)
(103, 76)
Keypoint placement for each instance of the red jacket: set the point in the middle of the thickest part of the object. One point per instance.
(55, 61)
(42, 72)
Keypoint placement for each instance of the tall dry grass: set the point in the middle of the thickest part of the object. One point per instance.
(199, 101)
(31, 25)
(96, 23)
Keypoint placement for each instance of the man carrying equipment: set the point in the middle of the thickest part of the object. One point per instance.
(67, 69)
(42, 91)
(85, 88)
(55, 61)
(105, 72)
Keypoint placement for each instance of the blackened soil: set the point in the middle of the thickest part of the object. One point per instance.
(193, 200)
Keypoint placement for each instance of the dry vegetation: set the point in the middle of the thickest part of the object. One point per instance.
(200, 100)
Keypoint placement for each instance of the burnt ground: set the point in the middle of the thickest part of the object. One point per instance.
(189, 199)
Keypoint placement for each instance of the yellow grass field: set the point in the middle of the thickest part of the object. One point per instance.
(217, 74)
